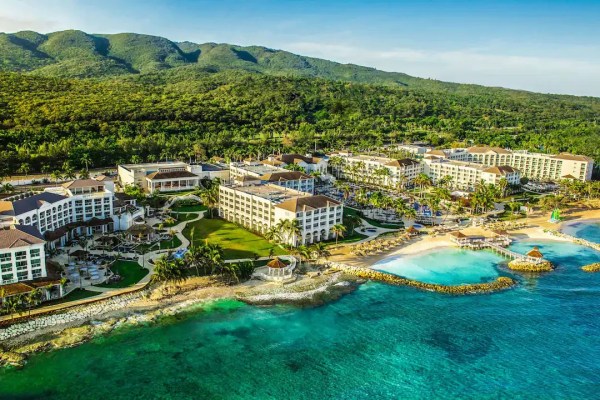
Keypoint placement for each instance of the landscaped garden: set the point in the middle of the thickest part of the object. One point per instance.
(189, 208)
(77, 294)
(351, 211)
(236, 241)
(130, 271)
(172, 243)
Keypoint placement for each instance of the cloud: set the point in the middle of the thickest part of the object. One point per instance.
(544, 74)
(12, 24)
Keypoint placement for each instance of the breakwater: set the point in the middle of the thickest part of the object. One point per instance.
(595, 267)
(576, 240)
(501, 283)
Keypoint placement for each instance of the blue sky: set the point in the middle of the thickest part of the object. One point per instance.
(545, 46)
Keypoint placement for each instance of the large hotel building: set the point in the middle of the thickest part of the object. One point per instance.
(531, 165)
(258, 207)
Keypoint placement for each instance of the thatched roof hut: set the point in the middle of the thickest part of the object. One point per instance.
(535, 253)
(79, 253)
(276, 263)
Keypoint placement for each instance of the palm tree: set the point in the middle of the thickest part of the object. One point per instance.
(422, 180)
(33, 298)
(353, 221)
(338, 230)
(86, 160)
(303, 253)
(167, 271)
(319, 250)
(290, 229)
(502, 185)
(56, 175)
(24, 169)
(273, 234)
(11, 305)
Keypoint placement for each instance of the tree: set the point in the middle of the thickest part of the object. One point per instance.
(422, 180)
(290, 230)
(56, 176)
(24, 169)
(338, 230)
(319, 250)
(33, 298)
(168, 271)
(86, 160)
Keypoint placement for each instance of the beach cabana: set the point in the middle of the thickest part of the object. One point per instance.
(79, 254)
(141, 233)
(412, 231)
(278, 268)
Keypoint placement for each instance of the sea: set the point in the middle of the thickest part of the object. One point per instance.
(540, 340)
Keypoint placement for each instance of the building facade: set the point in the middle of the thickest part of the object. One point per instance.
(169, 176)
(22, 255)
(269, 174)
(536, 166)
(465, 175)
(258, 207)
(366, 167)
(80, 207)
(308, 162)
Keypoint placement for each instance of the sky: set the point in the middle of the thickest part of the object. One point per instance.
(550, 46)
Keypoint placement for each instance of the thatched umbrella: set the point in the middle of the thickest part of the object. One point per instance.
(411, 230)
(79, 254)
(535, 253)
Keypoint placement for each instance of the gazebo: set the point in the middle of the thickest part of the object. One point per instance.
(277, 268)
(535, 253)
(140, 232)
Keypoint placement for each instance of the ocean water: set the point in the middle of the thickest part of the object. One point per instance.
(538, 341)
(589, 230)
(448, 266)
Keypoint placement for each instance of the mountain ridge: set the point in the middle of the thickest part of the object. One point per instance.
(77, 54)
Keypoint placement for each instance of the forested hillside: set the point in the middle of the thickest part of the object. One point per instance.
(49, 123)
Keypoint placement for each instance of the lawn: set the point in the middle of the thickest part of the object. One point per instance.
(236, 241)
(130, 271)
(77, 294)
(194, 208)
(163, 245)
(348, 238)
(179, 218)
(352, 211)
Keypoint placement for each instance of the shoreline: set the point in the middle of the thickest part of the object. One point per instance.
(151, 305)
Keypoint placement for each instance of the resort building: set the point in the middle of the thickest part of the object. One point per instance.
(80, 207)
(414, 149)
(269, 174)
(169, 176)
(465, 175)
(536, 166)
(22, 256)
(308, 163)
(383, 170)
(258, 207)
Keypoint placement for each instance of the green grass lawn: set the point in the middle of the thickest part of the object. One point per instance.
(349, 238)
(179, 218)
(130, 271)
(163, 245)
(236, 241)
(77, 294)
(352, 211)
(195, 208)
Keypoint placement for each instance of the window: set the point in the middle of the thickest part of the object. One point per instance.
(22, 275)
(21, 255)
(34, 253)
(5, 268)
(4, 257)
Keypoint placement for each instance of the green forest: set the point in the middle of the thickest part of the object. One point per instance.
(152, 99)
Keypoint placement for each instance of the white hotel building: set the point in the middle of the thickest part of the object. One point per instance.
(531, 165)
(169, 176)
(404, 170)
(258, 207)
(269, 174)
(465, 175)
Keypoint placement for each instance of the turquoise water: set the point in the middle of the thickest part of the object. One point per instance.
(445, 266)
(589, 230)
(538, 341)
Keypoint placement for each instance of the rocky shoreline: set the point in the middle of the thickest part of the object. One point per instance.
(81, 324)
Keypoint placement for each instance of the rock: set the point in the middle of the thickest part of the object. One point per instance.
(591, 267)
(526, 266)
(12, 358)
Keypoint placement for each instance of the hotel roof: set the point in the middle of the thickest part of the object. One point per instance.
(36, 201)
(500, 170)
(81, 183)
(405, 162)
(572, 157)
(307, 203)
(285, 176)
(19, 236)
(488, 149)
(171, 175)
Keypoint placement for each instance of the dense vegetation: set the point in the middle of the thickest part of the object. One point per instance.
(154, 99)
